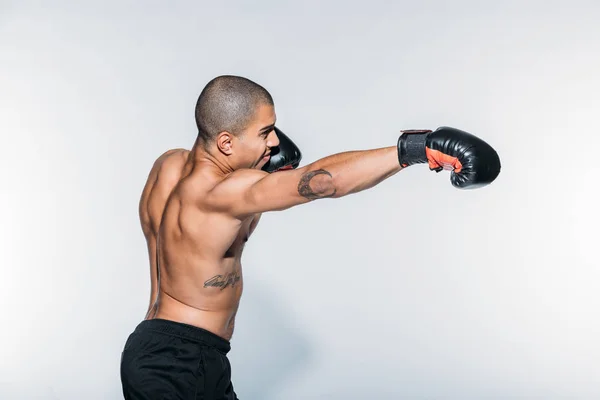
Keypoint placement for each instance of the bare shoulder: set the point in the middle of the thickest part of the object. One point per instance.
(243, 176)
(230, 189)
(162, 178)
(238, 182)
(168, 166)
(171, 160)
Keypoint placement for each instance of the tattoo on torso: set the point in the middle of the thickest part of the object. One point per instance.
(223, 281)
(305, 190)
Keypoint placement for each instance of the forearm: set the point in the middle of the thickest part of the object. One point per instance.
(354, 171)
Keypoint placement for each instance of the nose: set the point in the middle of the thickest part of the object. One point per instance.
(272, 139)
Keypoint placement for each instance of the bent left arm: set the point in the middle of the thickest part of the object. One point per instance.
(286, 156)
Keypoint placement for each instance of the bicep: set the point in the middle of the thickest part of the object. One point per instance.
(276, 192)
(250, 192)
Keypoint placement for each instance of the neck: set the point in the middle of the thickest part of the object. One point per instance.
(202, 157)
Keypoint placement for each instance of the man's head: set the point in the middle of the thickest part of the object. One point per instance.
(236, 119)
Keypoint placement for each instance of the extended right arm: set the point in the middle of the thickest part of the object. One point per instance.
(473, 162)
(247, 192)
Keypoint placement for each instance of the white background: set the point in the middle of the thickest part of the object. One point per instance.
(412, 290)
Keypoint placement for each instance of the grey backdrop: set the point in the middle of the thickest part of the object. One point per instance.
(412, 290)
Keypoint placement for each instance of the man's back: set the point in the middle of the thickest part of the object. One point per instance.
(199, 278)
(163, 177)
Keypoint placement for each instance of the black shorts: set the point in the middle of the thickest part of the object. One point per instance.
(169, 360)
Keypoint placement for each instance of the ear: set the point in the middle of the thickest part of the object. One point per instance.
(225, 142)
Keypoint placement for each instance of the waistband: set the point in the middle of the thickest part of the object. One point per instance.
(186, 331)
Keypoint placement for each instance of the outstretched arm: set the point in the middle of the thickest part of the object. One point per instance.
(247, 192)
(473, 163)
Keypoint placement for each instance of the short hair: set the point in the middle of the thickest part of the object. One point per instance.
(228, 103)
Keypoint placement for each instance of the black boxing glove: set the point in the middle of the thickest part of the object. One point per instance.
(473, 162)
(285, 156)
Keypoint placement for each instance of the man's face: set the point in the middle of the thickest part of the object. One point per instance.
(254, 145)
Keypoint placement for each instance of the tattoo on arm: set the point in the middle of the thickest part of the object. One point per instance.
(306, 191)
(223, 281)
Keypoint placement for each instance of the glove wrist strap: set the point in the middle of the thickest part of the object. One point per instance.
(411, 147)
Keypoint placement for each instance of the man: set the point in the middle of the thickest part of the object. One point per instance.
(199, 208)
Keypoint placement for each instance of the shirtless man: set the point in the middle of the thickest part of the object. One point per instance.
(199, 207)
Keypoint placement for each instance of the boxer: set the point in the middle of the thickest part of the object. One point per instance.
(200, 206)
